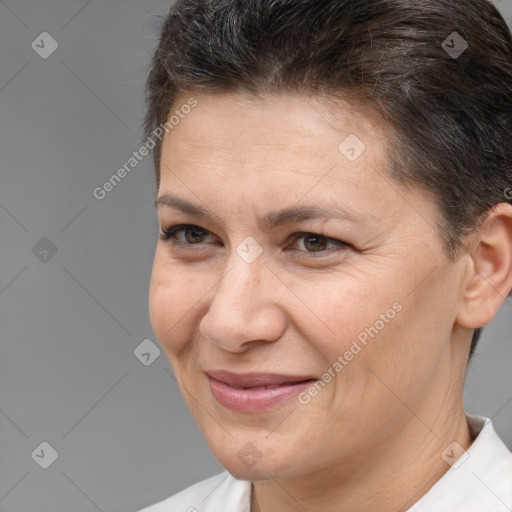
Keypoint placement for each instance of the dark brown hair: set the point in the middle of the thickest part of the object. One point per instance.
(448, 107)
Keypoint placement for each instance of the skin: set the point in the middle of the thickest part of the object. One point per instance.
(372, 439)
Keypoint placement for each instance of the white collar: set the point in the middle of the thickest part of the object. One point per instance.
(480, 481)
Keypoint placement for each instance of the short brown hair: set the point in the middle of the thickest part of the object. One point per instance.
(448, 106)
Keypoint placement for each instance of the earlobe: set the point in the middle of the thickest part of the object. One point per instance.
(490, 270)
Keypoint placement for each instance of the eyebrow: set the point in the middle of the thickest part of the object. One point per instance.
(275, 218)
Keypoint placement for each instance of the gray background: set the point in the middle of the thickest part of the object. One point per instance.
(70, 324)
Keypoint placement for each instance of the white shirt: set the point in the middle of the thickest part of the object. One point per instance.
(479, 481)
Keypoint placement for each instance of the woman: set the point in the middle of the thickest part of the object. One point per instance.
(333, 192)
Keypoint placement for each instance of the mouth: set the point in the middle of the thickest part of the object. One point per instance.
(255, 392)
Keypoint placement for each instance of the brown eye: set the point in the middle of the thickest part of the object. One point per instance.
(192, 234)
(315, 243)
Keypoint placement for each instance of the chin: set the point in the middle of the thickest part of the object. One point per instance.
(260, 467)
(250, 475)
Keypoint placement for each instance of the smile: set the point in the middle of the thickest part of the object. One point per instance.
(258, 397)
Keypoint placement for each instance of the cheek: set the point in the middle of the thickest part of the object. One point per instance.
(342, 310)
(174, 299)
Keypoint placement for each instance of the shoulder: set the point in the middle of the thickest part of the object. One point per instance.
(222, 490)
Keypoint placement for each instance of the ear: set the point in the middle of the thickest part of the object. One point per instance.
(489, 276)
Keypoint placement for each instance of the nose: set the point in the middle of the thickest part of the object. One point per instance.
(243, 308)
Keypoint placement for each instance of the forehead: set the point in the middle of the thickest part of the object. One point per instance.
(230, 133)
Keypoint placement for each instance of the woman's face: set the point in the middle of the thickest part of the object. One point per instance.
(361, 299)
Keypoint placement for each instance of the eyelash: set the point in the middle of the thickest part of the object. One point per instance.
(169, 237)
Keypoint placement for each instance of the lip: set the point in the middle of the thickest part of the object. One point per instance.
(228, 389)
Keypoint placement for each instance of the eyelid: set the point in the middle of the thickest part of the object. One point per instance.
(299, 234)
